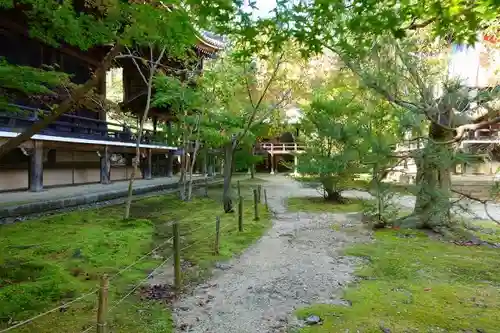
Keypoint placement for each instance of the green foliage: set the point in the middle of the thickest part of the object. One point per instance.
(383, 210)
(28, 81)
(179, 96)
(230, 112)
(130, 23)
(332, 148)
(347, 131)
(244, 159)
(353, 27)
(226, 84)
(412, 283)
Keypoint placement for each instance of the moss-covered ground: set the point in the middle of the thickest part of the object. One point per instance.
(320, 205)
(411, 282)
(51, 260)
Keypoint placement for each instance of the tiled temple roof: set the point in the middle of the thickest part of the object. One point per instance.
(210, 43)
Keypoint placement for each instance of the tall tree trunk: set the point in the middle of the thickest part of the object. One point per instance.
(149, 84)
(193, 161)
(228, 174)
(137, 151)
(75, 96)
(183, 178)
(376, 174)
(252, 165)
(434, 165)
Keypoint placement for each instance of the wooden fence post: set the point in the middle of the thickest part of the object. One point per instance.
(239, 188)
(103, 305)
(177, 256)
(217, 234)
(256, 205)
(240, 213)
(206, 186)
(259, 191)
(265, 199)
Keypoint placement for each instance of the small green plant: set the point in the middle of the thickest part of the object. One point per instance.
(380, 213)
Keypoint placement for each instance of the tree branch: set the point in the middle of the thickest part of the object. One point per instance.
(482, 201)
(381, 91)
(249, 91)
(257, 106)
(461, 130)
(414, 25)
(134, 60)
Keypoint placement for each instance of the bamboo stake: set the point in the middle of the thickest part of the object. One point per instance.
(103, 305)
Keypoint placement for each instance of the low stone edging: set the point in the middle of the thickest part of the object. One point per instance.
(56, 204)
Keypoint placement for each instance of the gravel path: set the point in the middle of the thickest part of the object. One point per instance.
(295, 264)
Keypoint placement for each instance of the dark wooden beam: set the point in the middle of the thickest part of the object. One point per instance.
(36, 167)
(105, 166)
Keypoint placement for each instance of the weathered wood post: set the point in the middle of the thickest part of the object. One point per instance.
(256, 205)
(265, 199)
(259, 193)
(217, 235)
(177, 257)
(239, 188)
(240, 214)
(102, 309)
(206, 186)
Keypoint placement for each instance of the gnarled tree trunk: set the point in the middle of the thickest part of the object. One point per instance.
(434, 165)
(331, 192)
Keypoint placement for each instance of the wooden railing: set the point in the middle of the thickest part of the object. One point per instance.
(282, 147)
(69, 125)
(484, 134)
(412, 145)
(487, 135)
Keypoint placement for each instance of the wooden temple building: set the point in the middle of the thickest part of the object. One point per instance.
(82, 146)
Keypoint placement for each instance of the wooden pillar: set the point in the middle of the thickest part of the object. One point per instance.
(209, 165)
(148, 164)
(170, 163)
(35, 171)
(204, 165)
(271, 156)
(105, 166)
(214, 165)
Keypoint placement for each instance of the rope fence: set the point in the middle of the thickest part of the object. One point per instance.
(100, 325)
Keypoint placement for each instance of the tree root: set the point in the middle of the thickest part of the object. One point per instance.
(411, 221)
(454, 234)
